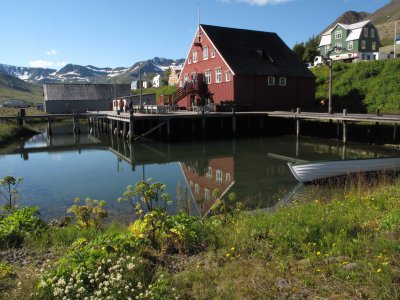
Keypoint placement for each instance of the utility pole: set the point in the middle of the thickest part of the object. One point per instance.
(329, 62)
(141, 91)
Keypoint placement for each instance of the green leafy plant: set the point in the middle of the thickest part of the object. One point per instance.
(9, 192)
(20, 224)
(6, 271)
(89, 215)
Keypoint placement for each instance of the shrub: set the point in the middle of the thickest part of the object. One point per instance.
(89, 215)
(20, 224)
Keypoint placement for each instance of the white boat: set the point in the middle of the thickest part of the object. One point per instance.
(314, 171)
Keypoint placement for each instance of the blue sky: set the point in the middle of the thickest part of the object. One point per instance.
(118, 33)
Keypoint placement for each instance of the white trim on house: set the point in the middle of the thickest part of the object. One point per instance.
(215, 48)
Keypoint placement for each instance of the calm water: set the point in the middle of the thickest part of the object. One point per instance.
(59, 168)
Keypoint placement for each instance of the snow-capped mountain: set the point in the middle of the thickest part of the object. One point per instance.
(84, 74)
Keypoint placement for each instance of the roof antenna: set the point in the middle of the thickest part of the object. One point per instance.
(198, 22)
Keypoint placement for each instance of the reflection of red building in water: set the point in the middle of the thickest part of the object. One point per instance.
(204, 176)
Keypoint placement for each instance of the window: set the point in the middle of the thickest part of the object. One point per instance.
(191, 183)
(228, 75)
(372, 32)
(207, 194)
(363, 44)
(338, 34)
(218, 176)
(205, 53)
(338, 47)
(213, 54)
(209, 173)
(207, 76)
(365, 32)
(196, 189)
(195, 56)
(228, 178)
(282, 81)
(327, 48)
(350, 45)
(373, 46)
(271, 80)
(194, 76)
(185, 78)
(218, 75)
(189, 61)
(180, 83)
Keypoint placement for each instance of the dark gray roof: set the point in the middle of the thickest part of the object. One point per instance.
(250, 52)
(57, 91)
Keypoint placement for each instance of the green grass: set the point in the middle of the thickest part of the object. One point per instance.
(362, 86)
(341, 245)
(15, 88)
(163, 90)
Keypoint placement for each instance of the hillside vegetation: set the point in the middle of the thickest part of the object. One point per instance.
(162, 90)
(362, 86)
(15, 88)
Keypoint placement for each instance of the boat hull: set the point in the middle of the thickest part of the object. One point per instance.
(310, 172)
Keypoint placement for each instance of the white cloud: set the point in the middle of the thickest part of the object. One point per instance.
(52, 52)
(46, 64)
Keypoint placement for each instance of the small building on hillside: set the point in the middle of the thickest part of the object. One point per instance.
(16, 103)
(359, 40)
(67, 98)
(173, 78)
(243, 68)
(157, 81)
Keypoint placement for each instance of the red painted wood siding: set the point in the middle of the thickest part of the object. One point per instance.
(222, 91)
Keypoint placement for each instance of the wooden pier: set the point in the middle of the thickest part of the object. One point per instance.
(130, 125)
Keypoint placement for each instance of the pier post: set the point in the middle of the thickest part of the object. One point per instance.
(233, 121)
(168, 128)
(203, 123)
(344, 132)
(49, 130)
(394, 133)
(193, 125)
(261, 124)
(297, 128)
(131, 124)
(118, 128)
(337, 129)
(125, 129)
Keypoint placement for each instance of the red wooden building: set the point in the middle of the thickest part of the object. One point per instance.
(245, 68)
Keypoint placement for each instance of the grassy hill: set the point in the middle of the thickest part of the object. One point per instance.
(162, 90)
(362, 86)
(14, 88)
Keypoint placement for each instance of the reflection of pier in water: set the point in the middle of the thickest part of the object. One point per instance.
(239, 166)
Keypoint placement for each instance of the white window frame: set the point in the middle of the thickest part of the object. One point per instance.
(327, 48)
(282, 81)
(212, 53)
(218, 75)
(365, 32)
(218, 176)
(227, 75)
(205, 53)
(350, 45)
(271, 80)
(338, 35)
(373, 46)
(338, 45)
(228, 178)
(207, 76)
(185, 78)
(209, 173)
(372, 32)
(207, 194)
(363, 44)
(195, 56)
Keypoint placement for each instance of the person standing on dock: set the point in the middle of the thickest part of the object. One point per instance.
(121, 105)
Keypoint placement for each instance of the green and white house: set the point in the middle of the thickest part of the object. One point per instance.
(359, 40)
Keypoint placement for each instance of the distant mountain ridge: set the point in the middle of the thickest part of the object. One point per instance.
(72, 73)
